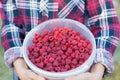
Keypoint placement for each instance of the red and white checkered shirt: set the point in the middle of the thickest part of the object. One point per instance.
(20, 16)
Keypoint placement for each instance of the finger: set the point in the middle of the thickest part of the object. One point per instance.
(79, 77)
(37, 77)
(72, 78)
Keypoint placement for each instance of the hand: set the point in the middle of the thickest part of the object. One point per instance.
(96, 73)
(23, 72)
(85, 76)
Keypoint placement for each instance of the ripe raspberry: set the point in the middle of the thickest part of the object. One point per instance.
(51, 60)
(55, 63)
(35, 54)
(81, 49)
(74, 61)
(82, 55)
(69, 50)
(64, 48)
(67, 67)
(41, 65)
(51, 38)
(37, 60)
(60, 50)
(68, 61)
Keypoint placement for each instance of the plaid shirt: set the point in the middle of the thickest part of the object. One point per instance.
(20, 16)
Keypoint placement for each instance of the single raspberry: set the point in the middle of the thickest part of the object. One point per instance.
(55, 63)
(42, 50)
(60, 52)
(74, 61)
(63, 62)
(63, 56)
(51, 60)
(37, 60)
(51, 38)
(35, 54)
(67, 67)
(64, 48)
(69, 50)
(36, 35)
(89, 46)
(68, 61)
(82, 55)
(81, 49)
(84, 44)
(74, 42)
(49, 49)
(58, 58)
(73, 55)
(41, 65)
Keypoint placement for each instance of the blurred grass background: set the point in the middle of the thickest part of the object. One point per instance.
(6, 73)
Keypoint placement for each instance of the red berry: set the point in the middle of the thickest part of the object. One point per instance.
(51, 38)
(64, 48)
(69, 50)
(37, 60)
(30, 48)
(55, 63)
(46, 61)
(89, 46)
(79, 44)
(41, 65)
(58, 58)
(32, 60)
(59, 50)
(36, 35)
(63, 56)
(74, 42)
(67, 67)
(52, 44)
(68, 61)
(51, 60)
(42, 50)
(82, 55)
(73, 55)
(63, 62)
(35, 54)
(81, 49)
(49, 49)
(74, 61)
(84, 44)
(39, 45)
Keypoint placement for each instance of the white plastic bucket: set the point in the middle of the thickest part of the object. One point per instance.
(49, 25)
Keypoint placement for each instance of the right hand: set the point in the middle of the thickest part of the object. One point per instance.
(23, 72)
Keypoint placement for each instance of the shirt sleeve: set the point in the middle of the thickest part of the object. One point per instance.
(103, 22)
(12, 33)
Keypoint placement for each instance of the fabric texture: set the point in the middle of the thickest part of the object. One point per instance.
(20, 16)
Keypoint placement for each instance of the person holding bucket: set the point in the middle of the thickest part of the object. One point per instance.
(20, 16)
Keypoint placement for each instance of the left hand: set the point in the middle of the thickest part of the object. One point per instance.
(96, 73)
(85, 76)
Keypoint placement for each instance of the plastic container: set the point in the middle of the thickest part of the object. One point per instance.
(49, 25)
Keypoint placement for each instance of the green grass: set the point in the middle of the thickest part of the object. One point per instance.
(5, 72)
